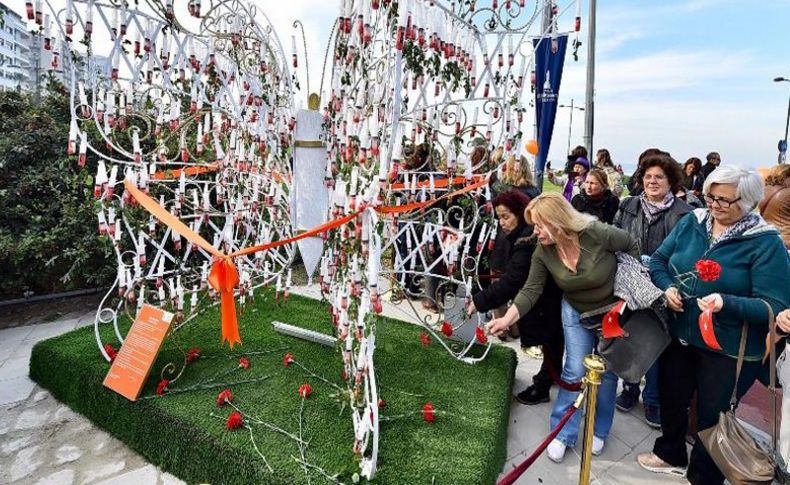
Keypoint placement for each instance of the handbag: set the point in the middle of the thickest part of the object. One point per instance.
(642, 340)
(740, 458)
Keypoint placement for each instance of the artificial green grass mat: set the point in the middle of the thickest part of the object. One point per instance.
(465, 445)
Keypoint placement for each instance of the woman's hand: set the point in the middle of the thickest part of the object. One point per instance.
(714, 299)
(470, 308)
(783, 321)
(674, 301)
(498, 326)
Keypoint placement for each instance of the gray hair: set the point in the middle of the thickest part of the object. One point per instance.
(749, 184)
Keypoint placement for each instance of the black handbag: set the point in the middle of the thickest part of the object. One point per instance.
(631, 355)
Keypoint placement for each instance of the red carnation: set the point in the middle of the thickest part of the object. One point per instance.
(234, 421)
(224, 397)
(425, 339)
(244, 362)
(162, 386)
(382, 403)
(193, 354)
(344, 375)
(447, 329)
(305, 390)
(427, 412)
(288, 359)
(708, 270)
(480, 334)
(110, 351)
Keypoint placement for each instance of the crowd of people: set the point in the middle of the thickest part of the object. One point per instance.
(558, 256)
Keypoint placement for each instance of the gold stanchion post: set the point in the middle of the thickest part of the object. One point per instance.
(595, 368)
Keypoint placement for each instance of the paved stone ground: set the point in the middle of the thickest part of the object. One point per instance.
(43, 442)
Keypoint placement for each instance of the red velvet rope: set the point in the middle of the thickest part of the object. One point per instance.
(523, 466)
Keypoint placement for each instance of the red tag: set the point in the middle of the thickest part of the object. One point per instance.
(610, 328)
(706, 328)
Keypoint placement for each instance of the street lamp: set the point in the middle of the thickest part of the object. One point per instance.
(783, 143)
(570, 124)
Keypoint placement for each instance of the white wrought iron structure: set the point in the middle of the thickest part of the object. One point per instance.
(200, 114)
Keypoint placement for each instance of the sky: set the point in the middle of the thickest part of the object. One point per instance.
(686, 76)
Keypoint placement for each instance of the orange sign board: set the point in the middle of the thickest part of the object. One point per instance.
(131, 366)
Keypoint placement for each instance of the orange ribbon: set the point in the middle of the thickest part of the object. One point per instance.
(224, 276)
(706, 328)
(611, 328)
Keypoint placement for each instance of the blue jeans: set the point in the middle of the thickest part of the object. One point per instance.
(580, 342)
(650, 392)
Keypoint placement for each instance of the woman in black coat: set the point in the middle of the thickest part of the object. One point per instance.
(542, 325)
(596, 199)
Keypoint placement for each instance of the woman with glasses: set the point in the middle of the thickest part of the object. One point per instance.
(649, 218)
(754, 267)
(579, 253)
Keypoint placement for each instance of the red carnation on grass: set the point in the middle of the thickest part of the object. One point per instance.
(344, 375)
(234, 421)
(288, 359)
(110, 351)
(224, 397)
(447, 329)
(427, 412)
(425, 339)
(162, 387)
(244, 362)
(305, 390)
(193, 354)
(708, 270)
(382, 403)
(480, 334)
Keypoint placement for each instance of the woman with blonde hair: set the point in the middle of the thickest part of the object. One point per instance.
(579, 253)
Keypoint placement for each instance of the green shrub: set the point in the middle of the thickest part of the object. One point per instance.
(48, 229)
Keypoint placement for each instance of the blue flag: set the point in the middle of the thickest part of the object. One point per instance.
(548, 74)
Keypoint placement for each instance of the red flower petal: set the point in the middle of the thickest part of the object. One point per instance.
(427, 413)
(244, 362)
(480, 334)
(382, 403)
(305, 390)
(110, 351)
(425, 339)
(224, 397)
(193, 354)
(288, 359)
(162, 387)
(447, 329)
(235, 421)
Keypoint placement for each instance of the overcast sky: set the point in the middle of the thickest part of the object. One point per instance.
(687, 76)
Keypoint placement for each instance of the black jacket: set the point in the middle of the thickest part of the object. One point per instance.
(707, 169)
(604, 208)
(543, 320)
(694, 182)
(632, 219)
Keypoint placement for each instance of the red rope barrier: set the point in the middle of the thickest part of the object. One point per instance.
(523, 466)
(568, 386)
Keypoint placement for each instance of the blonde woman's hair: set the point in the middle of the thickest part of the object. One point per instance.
(558, 215)
(517, 178)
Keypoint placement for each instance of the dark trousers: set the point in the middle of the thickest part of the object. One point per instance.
(683, 370)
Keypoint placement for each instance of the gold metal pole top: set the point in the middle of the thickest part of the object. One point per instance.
(595, 363)
(313, 102)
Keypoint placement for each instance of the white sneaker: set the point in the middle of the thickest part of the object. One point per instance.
(556, 451)
(597, 446)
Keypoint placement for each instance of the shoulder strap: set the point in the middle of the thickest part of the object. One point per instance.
(771, 369)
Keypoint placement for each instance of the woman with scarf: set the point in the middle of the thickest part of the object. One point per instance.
(572, 181)
(597, 199)
(649, 218)
(749, 271)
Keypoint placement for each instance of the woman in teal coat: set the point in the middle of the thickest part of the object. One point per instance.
(754, 267)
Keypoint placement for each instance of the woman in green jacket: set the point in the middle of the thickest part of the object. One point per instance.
(754, 267)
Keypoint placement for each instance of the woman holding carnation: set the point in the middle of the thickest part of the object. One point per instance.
(579, 253)
(728, 260)
(541, 326)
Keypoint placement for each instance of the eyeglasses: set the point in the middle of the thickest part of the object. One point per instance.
(723, 203)
(657, 178)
